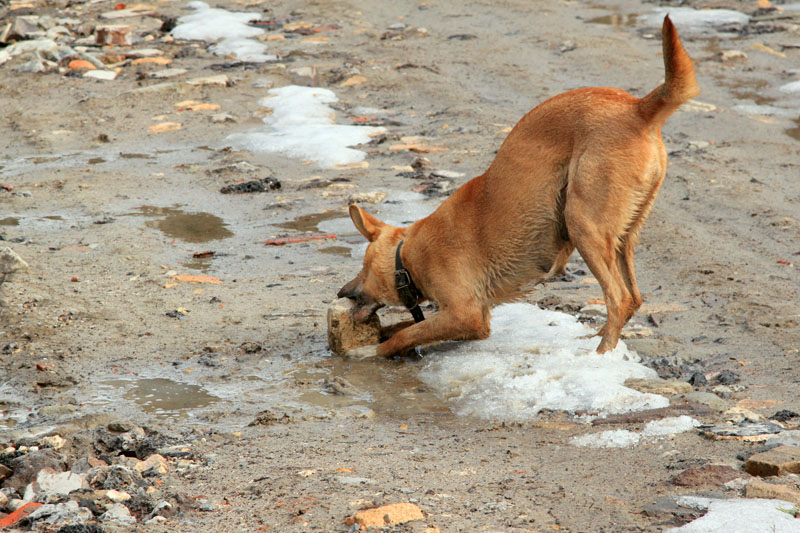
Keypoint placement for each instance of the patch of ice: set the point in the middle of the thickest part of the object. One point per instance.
(690, 18)
(536, 359)
(231, 31)
(301, 125)
(793, 87)
(615, 438)
(622, 438)
(738, 515)
(669, 426)
(753, 109)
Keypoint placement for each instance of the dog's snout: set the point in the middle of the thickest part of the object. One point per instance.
(350, 290)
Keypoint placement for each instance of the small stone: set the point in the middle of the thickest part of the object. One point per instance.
(386, 515)
(49, 481)
(144, 52)
(375, 197)
(775, 462)
(153, 464)
(118, 513)
(165, 127)
(85, 464)
(117, 496)
(353, 80)
(99, 74)
(698, 380)
(306, 76)
(202, 504)
(344, 333)
(80, 64)
(745, 430)
(220, 118)
(55, 441)
(732, 56)
(167, 73)
(669, 387)
(117, 35)
(761, 489)
(421, 163)
(706, 476)
(162, 509)
(220, 80)
(5, 472)
(69, 513)
(447, 174)
(726, 377)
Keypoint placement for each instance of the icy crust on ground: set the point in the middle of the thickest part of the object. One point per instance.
(534, 360)
(739, 515)
(623, 438)
(688, 17)
(301, 125)
(230, 31)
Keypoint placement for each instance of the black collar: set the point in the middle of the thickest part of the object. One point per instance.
(409, 293)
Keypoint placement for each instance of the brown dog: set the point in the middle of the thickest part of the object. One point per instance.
(581, 170)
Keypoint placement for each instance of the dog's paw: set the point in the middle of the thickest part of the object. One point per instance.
(364, 352)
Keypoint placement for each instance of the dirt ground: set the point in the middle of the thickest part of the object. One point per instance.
(106, 212)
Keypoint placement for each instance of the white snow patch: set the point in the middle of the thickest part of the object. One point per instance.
(302, 125)
(793, 87)
(229, 30)
(739, 515)
(690, 18)
(536, 359)
(669, 426)
(622, 438)
(615, 438)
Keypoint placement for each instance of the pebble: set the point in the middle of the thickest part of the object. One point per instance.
(744, 431)
(63, 513)
(220, 80)
(386, 515)
(733, 56)
(375, 197)
(669, 387)
(205, 505)
(117, 496)
(118, 513)
(51, 482)
(775, 462)
(107, 75)
(167, 73)
(761, 489)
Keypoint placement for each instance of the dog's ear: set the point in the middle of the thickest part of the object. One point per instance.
(369, 226)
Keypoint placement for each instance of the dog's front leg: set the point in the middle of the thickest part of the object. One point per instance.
(450, 323)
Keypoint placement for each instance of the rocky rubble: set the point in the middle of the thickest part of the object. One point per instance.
(113, 475)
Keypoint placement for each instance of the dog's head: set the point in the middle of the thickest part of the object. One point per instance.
(373, 287)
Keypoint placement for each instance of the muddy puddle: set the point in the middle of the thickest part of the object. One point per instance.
(310, 223)
(189, 227)
(160, 397)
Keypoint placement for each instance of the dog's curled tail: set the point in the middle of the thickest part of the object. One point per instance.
(680, 83)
